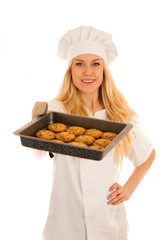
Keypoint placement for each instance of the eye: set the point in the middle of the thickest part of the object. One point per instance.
(79, 64)
(96, 64)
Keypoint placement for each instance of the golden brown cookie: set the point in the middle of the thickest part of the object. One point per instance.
(57, 127)
(78, 144)
(65, 136)
(76, 130)
(94, 133)
(96, 147)
(88, 140)
(109, 135)
(45, 134)
(102, 142)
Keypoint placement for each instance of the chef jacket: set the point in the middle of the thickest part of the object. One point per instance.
(78, 208)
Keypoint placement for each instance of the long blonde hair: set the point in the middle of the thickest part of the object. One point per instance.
(117, 108)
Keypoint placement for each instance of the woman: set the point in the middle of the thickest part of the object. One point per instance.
(87, 200)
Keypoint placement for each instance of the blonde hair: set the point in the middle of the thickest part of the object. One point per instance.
(117, 108)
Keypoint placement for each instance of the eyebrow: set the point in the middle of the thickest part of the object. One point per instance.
(98, 59)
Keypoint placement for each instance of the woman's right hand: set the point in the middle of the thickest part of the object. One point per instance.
(40, 108)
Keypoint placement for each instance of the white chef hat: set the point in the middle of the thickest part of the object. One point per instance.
(87, 40)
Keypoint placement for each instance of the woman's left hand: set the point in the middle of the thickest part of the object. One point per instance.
(119, 194)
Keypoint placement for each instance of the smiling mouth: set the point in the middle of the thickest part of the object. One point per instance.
(88, 80)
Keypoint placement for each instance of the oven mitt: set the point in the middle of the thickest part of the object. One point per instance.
(40, 108)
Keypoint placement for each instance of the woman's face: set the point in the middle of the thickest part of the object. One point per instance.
(87, 72)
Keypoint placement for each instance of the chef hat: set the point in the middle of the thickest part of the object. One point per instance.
(87, 40)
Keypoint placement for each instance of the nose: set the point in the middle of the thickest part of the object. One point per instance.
(88, 71)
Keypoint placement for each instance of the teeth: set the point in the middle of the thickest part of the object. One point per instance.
(88, 81)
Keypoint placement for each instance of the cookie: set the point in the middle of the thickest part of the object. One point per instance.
(76, 130)
(65, 136)
(109, 135)
(94, 133)
(96, 147)
(78, 144)
(45, 134)
(102, 142)
(88, 140)
(57, 127)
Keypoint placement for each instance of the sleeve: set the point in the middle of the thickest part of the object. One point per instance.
(56, 107)
(140, 148)
(38, 154)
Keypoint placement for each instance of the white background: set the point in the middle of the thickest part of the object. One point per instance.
(30, 71)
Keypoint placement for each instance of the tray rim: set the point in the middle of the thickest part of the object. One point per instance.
(40, 117)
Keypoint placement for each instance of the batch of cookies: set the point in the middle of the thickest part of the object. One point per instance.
(76, 135)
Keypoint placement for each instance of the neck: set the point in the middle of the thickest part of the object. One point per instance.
(92, 101)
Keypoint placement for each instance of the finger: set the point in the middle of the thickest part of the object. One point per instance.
(115, 185)
(119, 201)
(114, 194)
(116, 199)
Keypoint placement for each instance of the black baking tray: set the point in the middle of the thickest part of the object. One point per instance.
(28, 139)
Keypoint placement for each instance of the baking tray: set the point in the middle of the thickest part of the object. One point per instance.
(28, 139)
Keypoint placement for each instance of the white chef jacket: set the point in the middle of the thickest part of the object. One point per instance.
(78, 207)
